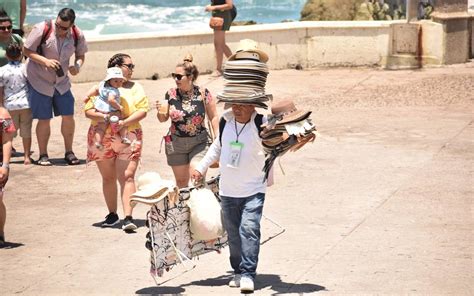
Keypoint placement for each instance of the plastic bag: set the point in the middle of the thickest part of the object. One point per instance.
(205, 221)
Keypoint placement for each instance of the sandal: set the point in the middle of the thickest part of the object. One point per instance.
(71, 159)
(216, 74)
(44, 160)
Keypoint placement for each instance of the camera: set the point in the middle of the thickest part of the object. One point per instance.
(60, 72)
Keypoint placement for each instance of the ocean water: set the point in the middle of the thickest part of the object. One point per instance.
(103, 17)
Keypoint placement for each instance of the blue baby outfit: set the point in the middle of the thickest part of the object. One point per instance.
(101, 104)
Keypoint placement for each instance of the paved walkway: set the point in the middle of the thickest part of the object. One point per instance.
(381, 203)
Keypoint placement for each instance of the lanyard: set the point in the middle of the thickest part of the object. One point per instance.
(238, 133)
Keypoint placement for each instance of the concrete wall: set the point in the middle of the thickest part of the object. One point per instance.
(309, 44)
(447, 6)
(472, 34)
(433, 43)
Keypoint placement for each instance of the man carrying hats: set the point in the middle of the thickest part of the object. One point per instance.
(241, 187)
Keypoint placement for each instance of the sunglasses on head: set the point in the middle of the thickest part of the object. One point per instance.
(6, 28)
(129, 66)
(178, 76)
(61, 27)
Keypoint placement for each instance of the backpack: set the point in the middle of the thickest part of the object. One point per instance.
(258, 122)
(48, 24)
(17, 39)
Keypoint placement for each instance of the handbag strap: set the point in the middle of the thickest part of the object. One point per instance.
(209, 125)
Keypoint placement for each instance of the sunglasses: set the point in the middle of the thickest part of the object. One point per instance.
(129, 66)
(178, 76)
(6, 28)
(61, 27)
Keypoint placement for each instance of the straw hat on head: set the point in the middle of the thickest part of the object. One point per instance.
(151, 188)
(247, 46)
(113, 72)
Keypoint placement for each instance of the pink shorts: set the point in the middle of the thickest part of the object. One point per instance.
(113, 146)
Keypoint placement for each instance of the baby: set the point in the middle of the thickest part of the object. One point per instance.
(108, 102)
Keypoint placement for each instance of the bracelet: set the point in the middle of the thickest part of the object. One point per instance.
(78, 66)
(6, 166)
(106, 118)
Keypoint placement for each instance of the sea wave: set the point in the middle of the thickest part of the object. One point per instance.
(103, 17)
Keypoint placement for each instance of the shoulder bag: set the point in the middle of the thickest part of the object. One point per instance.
(216, 23)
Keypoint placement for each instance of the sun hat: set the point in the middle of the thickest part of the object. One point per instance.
(284, 111)
(249, 45)
(151, 188)
(113, 72)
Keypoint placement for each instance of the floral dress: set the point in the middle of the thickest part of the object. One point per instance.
(187, 111)
(7, 127)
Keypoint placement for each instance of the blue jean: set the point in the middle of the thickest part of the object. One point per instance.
(242, 222)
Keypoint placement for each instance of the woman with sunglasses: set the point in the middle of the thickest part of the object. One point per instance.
(188, 106)
(6, 36)
(118, 161)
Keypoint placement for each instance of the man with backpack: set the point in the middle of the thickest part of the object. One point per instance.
(49, 47)
(239, 150)
(241, 188)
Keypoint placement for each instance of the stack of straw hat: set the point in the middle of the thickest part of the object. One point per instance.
(245, 75)
(287, 129)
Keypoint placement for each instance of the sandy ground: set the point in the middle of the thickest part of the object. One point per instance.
(380, 203)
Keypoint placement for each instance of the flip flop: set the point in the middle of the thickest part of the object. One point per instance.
(44, 160)
(71, 159)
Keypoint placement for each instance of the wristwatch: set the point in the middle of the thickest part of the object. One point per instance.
(6, 166)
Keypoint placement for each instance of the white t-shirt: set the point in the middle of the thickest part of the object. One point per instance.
(247, 179)
(15, 88)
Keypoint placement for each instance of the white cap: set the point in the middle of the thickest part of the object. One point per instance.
(114, 72)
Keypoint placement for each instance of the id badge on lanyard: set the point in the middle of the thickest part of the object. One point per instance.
(235, 152)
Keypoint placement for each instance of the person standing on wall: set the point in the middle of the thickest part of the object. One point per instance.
(49, 47)
(16, 9)
(226, 10)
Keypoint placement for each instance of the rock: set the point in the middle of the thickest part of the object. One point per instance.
(330, 10)
(335, 10)
(244, 23)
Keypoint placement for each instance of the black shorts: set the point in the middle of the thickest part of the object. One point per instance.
(227, 15)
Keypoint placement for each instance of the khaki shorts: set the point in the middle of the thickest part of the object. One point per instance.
(113, 146)
(187, 149)
(23, 121)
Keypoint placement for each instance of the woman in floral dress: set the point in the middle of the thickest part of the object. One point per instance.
(117, 161)
(188, 106)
